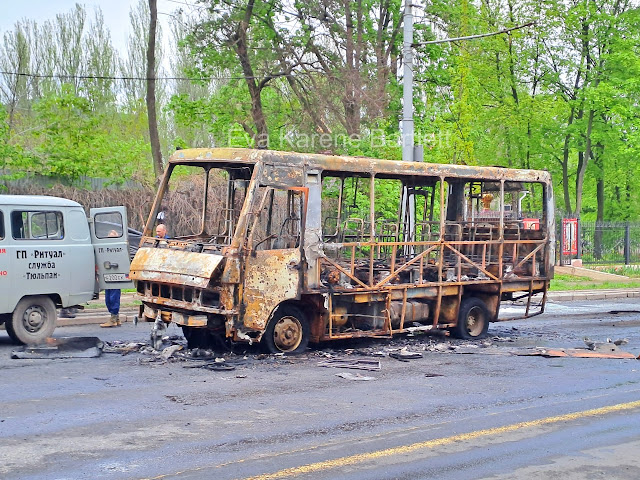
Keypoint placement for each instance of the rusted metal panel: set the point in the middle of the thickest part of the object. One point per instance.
(174, 266)
(580, 353)
(448, 310)
(357, 164)
(271, 277)
(165, 302)
(282, 175)
(189, 320)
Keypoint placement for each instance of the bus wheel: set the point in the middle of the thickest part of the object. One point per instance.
(33, 320)
(473, 319)
(288, 331)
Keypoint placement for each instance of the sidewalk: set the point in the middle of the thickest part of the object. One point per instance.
(97, 313)
(571, 295)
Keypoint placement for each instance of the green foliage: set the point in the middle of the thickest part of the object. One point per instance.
(74, 141)
(13, 160)
(328, 77)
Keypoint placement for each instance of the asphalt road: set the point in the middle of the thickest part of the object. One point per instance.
(475, 411)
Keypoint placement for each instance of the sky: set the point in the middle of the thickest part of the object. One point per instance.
(116, 14)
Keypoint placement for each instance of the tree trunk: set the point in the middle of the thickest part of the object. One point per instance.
(565, 167)
(582, 169)
(349, 100)
(154, 138)
(598, 234)
(241, 47)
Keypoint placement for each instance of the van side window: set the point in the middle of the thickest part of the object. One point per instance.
(35, 225)
(108, 225)
(1, 226)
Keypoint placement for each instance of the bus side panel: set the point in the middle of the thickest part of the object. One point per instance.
(271, 277)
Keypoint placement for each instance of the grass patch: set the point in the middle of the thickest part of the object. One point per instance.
(92, 305)
(631, 271)
(571, 282)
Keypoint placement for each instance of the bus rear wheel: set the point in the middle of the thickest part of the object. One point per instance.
(287, 332)
(473, 319)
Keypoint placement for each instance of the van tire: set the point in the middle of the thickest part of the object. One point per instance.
(288, 331)
(473, 319)
(33, 320)
(8, 325)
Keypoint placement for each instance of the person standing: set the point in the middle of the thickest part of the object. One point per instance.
(112, 300)
(161, 231)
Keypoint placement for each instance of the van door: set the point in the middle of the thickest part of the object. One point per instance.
(110, 243)
(5, 283)
(273, 266)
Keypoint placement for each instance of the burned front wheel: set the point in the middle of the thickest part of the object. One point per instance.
(473, 319)
(287, 332)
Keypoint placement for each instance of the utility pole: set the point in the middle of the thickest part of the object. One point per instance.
(408, 201)
(407, 84)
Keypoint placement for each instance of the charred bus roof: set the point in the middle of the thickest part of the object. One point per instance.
(337, 165)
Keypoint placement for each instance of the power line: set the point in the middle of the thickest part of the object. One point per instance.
(473, 37)
(187, 4)
(106, 77)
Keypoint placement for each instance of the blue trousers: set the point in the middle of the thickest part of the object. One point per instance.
(112, 299)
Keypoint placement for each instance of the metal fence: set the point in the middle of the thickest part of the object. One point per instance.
(605, 243)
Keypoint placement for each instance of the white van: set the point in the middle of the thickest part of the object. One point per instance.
(52, 256)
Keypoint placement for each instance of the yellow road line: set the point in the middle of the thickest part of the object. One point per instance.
(438, 442)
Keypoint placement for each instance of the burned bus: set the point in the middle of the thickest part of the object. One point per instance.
(288, 248)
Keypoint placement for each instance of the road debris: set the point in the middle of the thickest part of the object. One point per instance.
(404, 355)
(218, 367)
(122, 348)
(580, 353)
(169, 351)
(608, 346)
(354, 376)
(63, 347)
(361, 364)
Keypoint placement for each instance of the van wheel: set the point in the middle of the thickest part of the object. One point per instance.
(33, 320)
(287, 332)
(8, 325)
(473, 319)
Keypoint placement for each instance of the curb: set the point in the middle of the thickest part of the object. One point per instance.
(94, 318)
(572, 295)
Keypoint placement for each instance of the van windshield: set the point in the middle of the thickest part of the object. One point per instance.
(203, 203)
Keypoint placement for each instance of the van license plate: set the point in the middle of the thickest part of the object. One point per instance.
(115, 277)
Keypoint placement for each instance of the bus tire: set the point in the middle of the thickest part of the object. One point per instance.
(33, 320)
(473, 319)
(288, 331)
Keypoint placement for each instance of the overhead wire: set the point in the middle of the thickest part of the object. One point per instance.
(109, 77)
